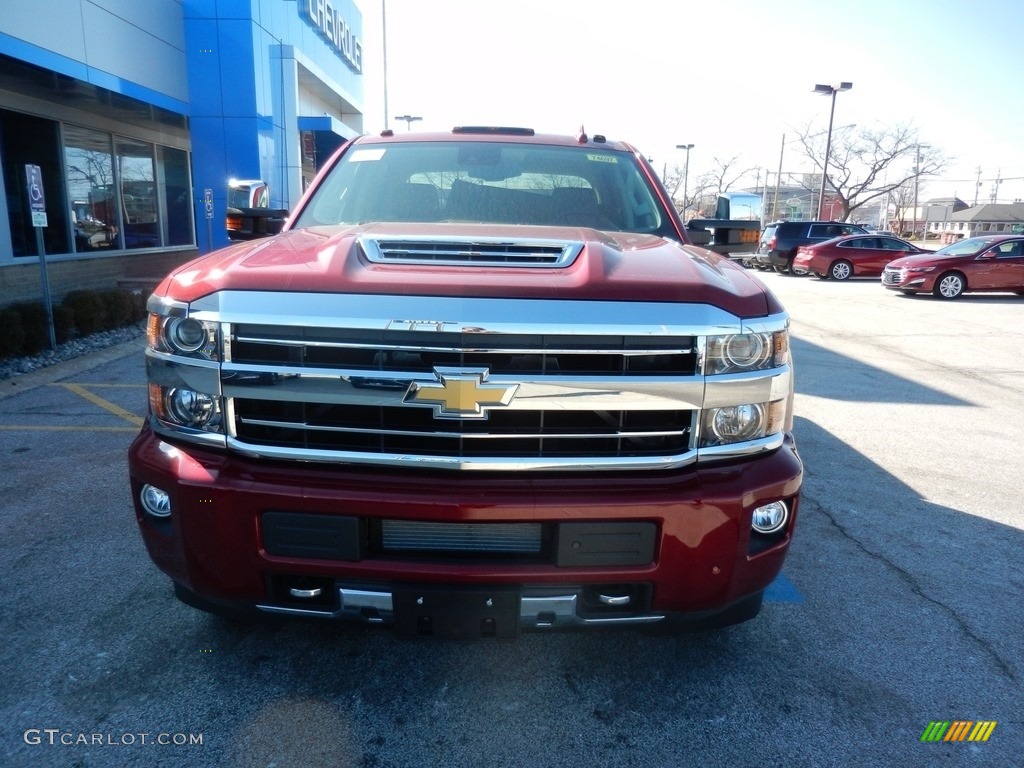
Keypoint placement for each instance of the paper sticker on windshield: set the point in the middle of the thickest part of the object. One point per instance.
(602, 158)
(366, 155)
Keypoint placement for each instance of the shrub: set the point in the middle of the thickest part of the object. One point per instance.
(139, 312)
(87, 310)
(63, 323)
(13, 335)
(118, 307)
(33, 320)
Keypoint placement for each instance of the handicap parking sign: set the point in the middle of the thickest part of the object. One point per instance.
(36, 197)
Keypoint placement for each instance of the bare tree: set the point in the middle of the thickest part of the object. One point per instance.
(724, 174)
(697, 195)
(903, 199)
(867, 164)
(708, 186)
(672, 177)
(704, 196)
(704, 188)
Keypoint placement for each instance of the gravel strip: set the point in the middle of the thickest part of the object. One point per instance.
(15, 366)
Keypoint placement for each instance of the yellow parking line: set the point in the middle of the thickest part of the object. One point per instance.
(106, 405)
(92, 385)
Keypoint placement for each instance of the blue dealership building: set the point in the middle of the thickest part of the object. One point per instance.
(139, 115)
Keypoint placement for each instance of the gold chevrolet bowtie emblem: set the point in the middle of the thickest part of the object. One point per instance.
(460, 393)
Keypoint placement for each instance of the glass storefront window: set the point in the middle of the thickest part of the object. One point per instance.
(136, 173)
(89, 172)
(105, 193)
(177, 186)
(25, 139)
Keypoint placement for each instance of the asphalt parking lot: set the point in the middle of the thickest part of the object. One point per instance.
(900, 604)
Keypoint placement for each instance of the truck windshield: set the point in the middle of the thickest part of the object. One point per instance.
(488, 182)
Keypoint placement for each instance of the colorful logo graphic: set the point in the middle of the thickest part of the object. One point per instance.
(958, 730)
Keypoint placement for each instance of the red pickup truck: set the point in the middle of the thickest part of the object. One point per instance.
(480, 384)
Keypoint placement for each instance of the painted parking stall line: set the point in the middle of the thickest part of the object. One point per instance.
(92, 397)
(66, 422)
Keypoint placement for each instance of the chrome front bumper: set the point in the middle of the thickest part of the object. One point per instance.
(557, 609)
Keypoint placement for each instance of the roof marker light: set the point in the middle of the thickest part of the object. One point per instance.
(496, 129)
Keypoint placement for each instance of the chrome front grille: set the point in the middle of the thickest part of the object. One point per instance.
(892, 276)
(417, 351)
(404, 430)
(316, 392)
(511, 384)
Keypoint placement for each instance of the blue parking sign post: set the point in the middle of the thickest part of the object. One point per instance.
(208, 208)
(37, 206)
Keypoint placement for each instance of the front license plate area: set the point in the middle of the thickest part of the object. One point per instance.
(456, 614)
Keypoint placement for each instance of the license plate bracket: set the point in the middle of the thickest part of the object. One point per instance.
(457, 614)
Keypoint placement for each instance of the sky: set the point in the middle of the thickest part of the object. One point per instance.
(733, 78)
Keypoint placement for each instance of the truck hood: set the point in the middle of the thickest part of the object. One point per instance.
(610, 267)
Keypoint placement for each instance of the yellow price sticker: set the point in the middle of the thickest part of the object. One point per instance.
(602, 158)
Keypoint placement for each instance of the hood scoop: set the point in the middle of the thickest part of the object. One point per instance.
(471, 251)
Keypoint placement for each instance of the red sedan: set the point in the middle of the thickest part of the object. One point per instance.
(994, 263)
(851, 256)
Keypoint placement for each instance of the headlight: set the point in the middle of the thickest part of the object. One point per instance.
(185, 408)
(184, 336)
(190, 408)
(921, 269)
(742, 352)
(736, 423)
(741, 423)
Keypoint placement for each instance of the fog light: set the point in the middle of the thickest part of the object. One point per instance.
(770, 518)
(155, 502)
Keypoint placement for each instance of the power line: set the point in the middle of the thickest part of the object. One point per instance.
(977, 179)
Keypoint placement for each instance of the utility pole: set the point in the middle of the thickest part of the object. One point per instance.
(778, 182)
(686, 175)
(977, 186)
(917, 184)
(995, 186)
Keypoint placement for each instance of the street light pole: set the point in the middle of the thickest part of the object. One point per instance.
(409, 120)
(384, 35)
(830, 90)
(778, 182)
(686, 175)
